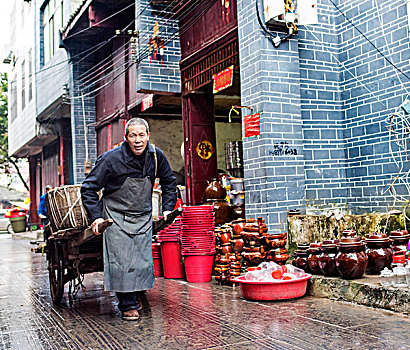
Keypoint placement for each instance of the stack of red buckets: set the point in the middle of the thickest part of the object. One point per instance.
(198, 242)
(156, 257)
(169, 238)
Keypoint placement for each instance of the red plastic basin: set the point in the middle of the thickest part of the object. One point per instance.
(280, 290)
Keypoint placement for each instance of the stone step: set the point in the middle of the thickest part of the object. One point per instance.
(365, 291)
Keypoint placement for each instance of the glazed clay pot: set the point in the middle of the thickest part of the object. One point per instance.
(399, 240)
(379, 252)
(313, 259)
(222, 210)
(237, 244)
(301, 260)
(351, 262)
(238, 226)
(327, 259)
(239, 211)
(215, 190)
(253, 259)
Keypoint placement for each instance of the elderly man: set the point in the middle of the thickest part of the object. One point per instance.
(127, 174)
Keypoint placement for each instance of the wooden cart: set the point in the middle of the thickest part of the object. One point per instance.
(71, 254)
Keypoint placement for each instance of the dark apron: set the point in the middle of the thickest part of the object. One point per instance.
(128, 263)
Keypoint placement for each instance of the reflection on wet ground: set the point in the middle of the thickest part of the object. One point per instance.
(177, 315)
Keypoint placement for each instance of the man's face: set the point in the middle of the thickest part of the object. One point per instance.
(137, 138)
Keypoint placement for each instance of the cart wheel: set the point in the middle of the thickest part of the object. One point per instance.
(56, 273)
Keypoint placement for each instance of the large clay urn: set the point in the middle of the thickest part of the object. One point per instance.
(222, 210)
(215, 190)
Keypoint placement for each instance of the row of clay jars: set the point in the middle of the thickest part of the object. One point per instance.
(346, 258)
(378, 251)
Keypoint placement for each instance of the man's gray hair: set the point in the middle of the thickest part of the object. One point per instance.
(136, 121)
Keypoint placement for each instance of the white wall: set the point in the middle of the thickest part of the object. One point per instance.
(22, 39)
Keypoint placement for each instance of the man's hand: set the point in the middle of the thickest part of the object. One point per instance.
(94, 225)
(42, 216)
(166, 213)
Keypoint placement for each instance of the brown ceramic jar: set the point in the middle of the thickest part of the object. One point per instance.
(379, 252)
(215, 190)
(351, 262)
(239, 211)
(313, 258)
(301, 260)
(222, 210)
(327, 259)
(399, 240)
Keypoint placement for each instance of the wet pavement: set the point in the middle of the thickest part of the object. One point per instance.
(177, 315)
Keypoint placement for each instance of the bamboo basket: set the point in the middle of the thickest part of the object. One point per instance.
(65, 209)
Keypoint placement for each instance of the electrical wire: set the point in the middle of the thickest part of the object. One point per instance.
(145, 54)
(102, 21)
(367, 39)
(109, 64)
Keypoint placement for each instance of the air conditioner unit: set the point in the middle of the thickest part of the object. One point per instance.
(305, 13)
(273, 9)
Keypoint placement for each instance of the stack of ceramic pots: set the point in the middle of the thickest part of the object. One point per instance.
(313, 258)
(254, 251)
(238, 197)
(228, 260)
(327, 259)
(351, 261)
(215, 195)
(198, 242)
(234, 266)
(276, 247)
(379, 252)
(300, 257)
(399, 240)
(222, 268)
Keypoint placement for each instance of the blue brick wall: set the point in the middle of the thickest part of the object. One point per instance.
(152, 75)
(78, 67)
(270, 84)
(308, 98)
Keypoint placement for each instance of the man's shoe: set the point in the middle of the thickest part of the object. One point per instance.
(130, 315)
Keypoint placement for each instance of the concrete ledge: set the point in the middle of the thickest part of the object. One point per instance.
(366, 291)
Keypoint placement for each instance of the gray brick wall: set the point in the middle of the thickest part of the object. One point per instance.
(79, 66)
(307, 99)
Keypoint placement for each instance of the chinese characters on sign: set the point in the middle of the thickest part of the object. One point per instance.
(223, 80)
(205, 150)
(147, 102)
(282, 149)
(252, 125)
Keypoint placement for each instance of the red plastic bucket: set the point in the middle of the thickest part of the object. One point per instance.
(279, 290)
(198, 268)
(172, 260)
(157, 267)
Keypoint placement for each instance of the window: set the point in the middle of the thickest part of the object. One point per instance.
(23, 85)
(30, 74)
(13, 100)
(53, 20)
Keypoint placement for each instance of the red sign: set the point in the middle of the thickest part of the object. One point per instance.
(252, 125)
(223, 80)
(147, 102)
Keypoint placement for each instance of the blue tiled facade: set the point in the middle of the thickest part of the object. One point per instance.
(326, 93)
(154, 75)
